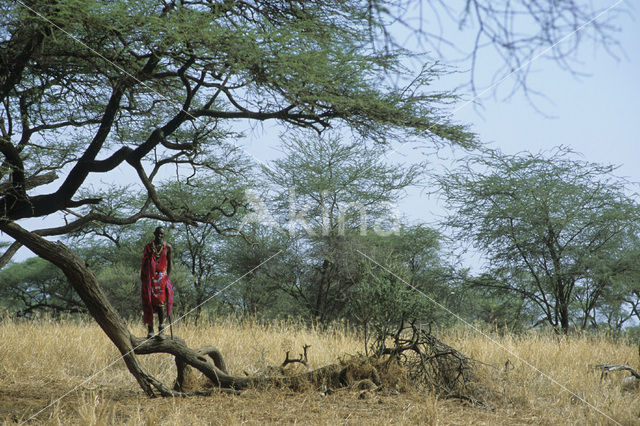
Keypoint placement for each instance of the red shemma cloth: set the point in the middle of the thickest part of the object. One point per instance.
(156, 285)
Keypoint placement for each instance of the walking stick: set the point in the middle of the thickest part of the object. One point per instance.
(170, 325)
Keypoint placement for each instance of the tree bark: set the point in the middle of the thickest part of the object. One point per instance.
(32, 182)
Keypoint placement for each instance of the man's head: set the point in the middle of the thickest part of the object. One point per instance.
(159, 234)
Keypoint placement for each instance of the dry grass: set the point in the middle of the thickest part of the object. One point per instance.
(547, 381)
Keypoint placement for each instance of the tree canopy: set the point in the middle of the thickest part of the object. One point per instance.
(90, 86)
(554, 229)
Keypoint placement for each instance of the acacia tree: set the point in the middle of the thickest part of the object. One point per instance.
(90, 87)
(554, 230)
(329, 193)
(35, 285)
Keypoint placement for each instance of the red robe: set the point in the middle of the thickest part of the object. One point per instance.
(156, 285)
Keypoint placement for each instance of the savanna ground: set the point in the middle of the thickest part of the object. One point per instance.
(69, 373)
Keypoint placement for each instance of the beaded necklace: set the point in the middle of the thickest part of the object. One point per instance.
(156, 251)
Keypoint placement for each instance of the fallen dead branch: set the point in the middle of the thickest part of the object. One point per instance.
(302, 359)
(210, 362)
(607, 368)
(415, 359)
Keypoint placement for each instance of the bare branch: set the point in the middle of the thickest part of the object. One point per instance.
(32, 182)
(302, 359)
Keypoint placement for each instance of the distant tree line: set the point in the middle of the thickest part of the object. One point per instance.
(319, 240)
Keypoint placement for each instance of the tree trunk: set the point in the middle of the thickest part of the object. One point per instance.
(85, 284)
(564, 316)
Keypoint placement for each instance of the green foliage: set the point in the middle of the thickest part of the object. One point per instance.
(339, 186)
(121, 284)
(328, 194)
(267, 270)
(552, 227)
(403, 278)
(484, 299)
(36, 286)
(382, 300)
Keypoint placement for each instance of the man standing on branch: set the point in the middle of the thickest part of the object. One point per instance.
(156, 285)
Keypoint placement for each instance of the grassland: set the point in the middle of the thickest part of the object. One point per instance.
(69, 373)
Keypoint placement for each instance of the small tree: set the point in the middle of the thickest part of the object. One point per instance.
(381, 301)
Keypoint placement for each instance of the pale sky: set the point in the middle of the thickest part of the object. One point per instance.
(597, 115)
